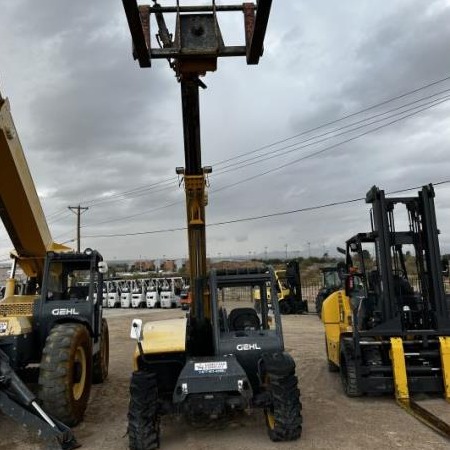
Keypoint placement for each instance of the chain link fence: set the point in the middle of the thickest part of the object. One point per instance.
(310, 288)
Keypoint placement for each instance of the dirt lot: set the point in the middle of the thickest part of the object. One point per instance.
(330, 419)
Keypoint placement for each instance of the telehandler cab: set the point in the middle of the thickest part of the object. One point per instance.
(242, 365)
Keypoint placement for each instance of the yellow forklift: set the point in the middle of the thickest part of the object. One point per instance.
(289, 290)
(218, 359)
(388, 330)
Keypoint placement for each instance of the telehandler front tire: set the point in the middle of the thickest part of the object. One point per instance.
(143, 417)
(65, 375)
(283, 417)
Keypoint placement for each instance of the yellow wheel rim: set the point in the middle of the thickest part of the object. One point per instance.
(268, 411)
(78, 386)
(270, 420)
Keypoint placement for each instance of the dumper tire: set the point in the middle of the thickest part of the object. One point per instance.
(101, 358)
(65, 375)
(348, 373)
(283, 416)
(143, 412)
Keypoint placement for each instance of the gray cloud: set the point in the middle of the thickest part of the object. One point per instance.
(94, 124)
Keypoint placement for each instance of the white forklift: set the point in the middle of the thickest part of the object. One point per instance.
(152, 298)
(138, 294)
(125, 296)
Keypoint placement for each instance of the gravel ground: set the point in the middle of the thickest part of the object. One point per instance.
(331, 420)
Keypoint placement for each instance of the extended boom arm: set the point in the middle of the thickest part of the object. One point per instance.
(20, 208)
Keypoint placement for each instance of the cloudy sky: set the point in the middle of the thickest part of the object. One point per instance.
(101, 132)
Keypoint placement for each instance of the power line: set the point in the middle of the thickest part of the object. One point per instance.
(143, 189)
(418, 109)
(276, 154)
(265, 216)
(132, 216)
(326, 149)
(347, 116)
(125, 194)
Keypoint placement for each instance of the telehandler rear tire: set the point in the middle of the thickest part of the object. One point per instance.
(65, 375)
(101, 359)
(283, 417)
(143, 417)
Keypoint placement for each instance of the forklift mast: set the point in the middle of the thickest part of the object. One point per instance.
(427, 309)
(192, 52)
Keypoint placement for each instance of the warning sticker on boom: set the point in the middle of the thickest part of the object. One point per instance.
(211, 367)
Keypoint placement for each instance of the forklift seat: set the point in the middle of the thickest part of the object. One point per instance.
(78, 292)
(241, 319)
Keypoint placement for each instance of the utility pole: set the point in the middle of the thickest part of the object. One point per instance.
(78, 210)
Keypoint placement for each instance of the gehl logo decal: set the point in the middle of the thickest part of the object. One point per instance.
(241, 347)
(65, 312)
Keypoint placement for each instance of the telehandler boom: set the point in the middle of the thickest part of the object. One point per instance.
(215, 361)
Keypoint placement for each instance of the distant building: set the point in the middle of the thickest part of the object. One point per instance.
(144, 266)
(169, 265)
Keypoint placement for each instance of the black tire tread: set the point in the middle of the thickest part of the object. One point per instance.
(99, 370)
(55, 387)
(286, 407)
(348, 371)
(143, 417)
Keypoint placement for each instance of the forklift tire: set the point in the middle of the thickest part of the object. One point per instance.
(285, 307)
(348, 373)
(65, 376)
(143, 419)
(300, 307)
(101, 359)
(283, 417)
